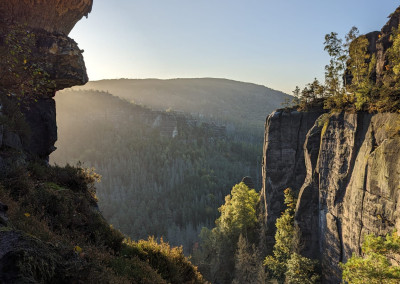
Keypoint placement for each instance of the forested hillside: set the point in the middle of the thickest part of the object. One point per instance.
(237, 104)
(163, 173)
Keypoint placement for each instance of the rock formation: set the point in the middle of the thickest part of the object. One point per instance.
(350, 166)
(49, 15)
(352, 169)
(40, 29)
(283, 160)
(36, 52)
(384, 42)
(346, 167)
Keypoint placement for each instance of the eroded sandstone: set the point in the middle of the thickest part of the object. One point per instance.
(351, 183)
(37, 58)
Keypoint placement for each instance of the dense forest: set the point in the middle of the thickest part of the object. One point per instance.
(163, 173)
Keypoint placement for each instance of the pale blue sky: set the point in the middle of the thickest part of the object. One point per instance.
(277, 43)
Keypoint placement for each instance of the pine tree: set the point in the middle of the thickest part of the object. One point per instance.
(246, 262)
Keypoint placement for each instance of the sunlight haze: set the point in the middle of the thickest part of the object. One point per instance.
(278, 44)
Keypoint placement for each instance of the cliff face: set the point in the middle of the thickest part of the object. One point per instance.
(350, 166)
(34, 42)
(346, 168)
(283, 160)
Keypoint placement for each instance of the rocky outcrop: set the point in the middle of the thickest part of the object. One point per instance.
(351, 181)
(50, 15)
(283, 160)
(384, 42)
(379, 43)
(37, 58)
(49, 61)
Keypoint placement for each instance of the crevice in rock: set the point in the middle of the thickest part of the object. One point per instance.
(299, 149)
(339, 230)
(364, 189)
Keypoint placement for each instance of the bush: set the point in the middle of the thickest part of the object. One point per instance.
(169, 262)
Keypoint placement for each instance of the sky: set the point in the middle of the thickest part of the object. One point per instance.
(276, 43)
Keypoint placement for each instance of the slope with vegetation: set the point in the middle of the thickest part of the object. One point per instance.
(54, 233)
(51, 230)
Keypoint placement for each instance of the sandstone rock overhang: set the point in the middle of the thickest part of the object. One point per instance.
(50, 15)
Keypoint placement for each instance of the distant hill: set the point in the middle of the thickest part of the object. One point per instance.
(226, 101)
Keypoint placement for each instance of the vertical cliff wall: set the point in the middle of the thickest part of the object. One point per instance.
(350, 166)
(283, 160)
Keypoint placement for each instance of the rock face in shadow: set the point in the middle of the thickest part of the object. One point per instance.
(351, 177)
(283, 160)
(41, 28)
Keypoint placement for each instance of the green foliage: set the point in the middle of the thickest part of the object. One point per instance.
(334, 71)
(301, 270)
(286, 266)
(248, 267)
(350, 77)
(216, 254)
(238, 214)
(69, 241)
(377, 263)
(277, 264)
(311, 94)
(169, 262)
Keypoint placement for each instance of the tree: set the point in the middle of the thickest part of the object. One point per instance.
(276, 264)
(360, 70)
(247, 268)
(285, 265)
(377, 263)
(301, 270)
(337, 64)
(216, 255)
(238, 214)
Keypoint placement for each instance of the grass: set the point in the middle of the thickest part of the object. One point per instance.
(54, 209)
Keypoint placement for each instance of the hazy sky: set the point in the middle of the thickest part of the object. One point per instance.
(276, 43)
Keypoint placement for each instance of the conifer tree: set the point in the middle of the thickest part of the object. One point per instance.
(377, 264)
(246, 263)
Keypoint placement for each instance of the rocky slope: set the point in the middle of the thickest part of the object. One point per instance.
(347, 175)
